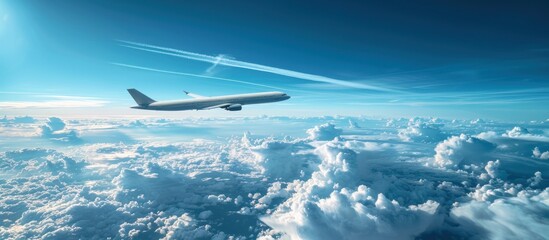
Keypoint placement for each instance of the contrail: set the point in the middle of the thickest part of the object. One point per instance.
(251, 66)
(199, 76)
(218, 59)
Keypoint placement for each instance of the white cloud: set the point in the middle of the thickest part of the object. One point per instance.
(536, 153)
(477, 121)
(284, 159)
(348, 214)
(492, 169)
(517, 217)
(536, 179)
(488, 136)
(161, 182)
(523, 134)
(516, 132)
(421, 132)
(317, 207)
(181, 227)
(324, 132)
(462, 149)
(55, 129)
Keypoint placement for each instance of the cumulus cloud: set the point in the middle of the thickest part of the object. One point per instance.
(180, 227)
(477, 121)
(150, 201)
(536, 153)
(493, 171)
(324, 132)
(284, 159)
(488, 136)
(521, 133)
(506, 218)
(460, 150)
(536, 179)
(317, 207)
(516, 132)
(328, 185)
(29, 161)
(421, 132)
(361, 213)
(54, 129)
(44, 180)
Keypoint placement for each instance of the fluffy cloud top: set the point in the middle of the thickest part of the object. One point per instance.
(462, 149)
(316, 207)
(536, 153)
(285, 159)
(508, 218)
(516, 132)
(162, 181)
(421, 132)
(54, 129)
(324, 132)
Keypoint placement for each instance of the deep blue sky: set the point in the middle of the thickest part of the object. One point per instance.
(431, 58)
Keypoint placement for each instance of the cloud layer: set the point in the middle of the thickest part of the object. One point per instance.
(302, 178)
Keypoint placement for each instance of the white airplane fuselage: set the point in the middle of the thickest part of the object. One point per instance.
(228, 102)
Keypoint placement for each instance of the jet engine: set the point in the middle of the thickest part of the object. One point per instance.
(234, 107)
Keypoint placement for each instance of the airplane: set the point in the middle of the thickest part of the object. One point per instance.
(227, 102)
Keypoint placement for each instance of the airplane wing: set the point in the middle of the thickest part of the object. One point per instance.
(224, 105)
(190, 94)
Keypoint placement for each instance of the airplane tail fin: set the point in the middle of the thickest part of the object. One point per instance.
(140, 98)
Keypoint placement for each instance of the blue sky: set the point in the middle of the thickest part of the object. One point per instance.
(427, 58)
